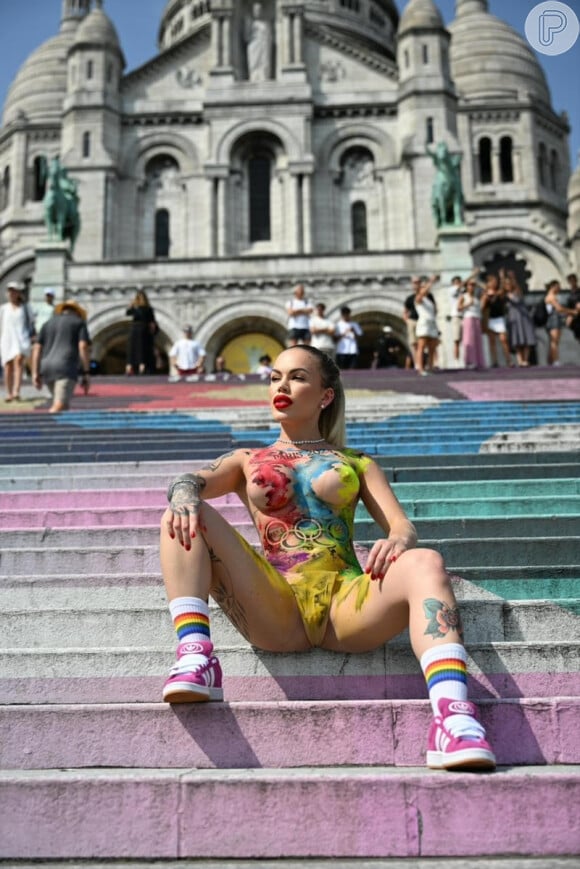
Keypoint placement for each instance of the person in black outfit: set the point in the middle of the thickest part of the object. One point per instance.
(573, 320)
(387, 349)
(140, 353)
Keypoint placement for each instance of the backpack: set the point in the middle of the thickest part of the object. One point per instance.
(540, 313)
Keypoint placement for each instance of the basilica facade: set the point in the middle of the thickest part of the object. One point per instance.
(272, 143)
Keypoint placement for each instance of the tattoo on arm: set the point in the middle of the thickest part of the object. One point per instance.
(185, 490)
(442, 619)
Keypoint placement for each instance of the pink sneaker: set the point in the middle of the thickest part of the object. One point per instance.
(196, 677)
(448, 746)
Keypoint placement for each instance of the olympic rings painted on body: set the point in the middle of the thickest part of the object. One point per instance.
(305, 533)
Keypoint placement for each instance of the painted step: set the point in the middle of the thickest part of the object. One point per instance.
(280, 735)
(458, 554)
(105, 626)
(131, 674)
(171, 813)
(446, 518)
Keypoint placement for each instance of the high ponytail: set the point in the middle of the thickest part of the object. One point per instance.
(332, 418)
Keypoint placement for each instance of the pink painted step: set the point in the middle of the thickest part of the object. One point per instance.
(278, 735)
(59, 499)
(356, 812)
(101, 517)
(116, 688)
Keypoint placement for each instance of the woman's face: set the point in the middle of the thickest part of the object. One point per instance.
(296, 390)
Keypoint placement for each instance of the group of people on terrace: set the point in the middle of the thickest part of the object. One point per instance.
(490, 321)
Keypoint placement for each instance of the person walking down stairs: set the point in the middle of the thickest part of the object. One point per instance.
(308, 589)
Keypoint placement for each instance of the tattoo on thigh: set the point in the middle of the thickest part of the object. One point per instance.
(225, 598)
(442, 618)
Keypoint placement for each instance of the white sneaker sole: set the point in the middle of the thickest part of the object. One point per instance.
(186, 692)
(468, 758)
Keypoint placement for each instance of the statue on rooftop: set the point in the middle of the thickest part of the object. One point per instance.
(446, 193)
(61, 204)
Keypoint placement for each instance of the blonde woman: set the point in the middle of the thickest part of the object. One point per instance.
(307, 589)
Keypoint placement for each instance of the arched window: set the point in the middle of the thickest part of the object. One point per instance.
(425, 52)
(554, 170)
(358, 219)
(506, 167)
(5, 189)
(259, 175)
(406, 58)
(485, 173)
(38, 179)
(162, 239)
(86, 144)
(542, 164)
(429, 131)
(90, 68)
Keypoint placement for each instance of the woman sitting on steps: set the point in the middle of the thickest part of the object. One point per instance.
(307, 589)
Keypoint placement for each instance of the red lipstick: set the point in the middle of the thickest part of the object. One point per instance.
(281, 401)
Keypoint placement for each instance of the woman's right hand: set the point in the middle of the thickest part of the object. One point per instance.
(182, 515)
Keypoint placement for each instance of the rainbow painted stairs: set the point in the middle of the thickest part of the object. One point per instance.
(314, 755)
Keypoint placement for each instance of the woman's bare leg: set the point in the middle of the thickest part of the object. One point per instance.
(9, 378)
(18, 372)
(415, 593)
(256, 599)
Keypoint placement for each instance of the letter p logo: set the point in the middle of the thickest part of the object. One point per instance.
(552, 27)
(551, 22)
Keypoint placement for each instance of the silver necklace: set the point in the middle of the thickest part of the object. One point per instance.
(296, 443)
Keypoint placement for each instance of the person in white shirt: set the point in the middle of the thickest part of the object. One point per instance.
(299, 310)
(187, 356)
(264, 369)
(44, 310)
(347, 332)
(322, 331)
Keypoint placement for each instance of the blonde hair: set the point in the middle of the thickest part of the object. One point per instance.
(332, 419)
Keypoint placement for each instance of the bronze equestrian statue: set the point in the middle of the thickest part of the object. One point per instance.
(61, 205)
(446, 195)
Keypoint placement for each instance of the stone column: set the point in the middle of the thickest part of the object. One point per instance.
(291, 49)
(218, 175)
(221, 37)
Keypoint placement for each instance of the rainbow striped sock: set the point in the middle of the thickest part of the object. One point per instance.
(445, 671)
(190, 618)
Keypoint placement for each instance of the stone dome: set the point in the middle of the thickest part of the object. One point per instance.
(40, 85)
(489, 58)
(422, 14)
(98, 29)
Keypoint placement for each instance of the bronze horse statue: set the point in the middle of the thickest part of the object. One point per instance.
(446, 194)
(61, 201)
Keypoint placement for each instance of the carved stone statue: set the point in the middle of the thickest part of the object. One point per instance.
(259, 47)
(446, 195)
(61, 204)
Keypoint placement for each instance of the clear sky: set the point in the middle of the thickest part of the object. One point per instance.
(26, 24)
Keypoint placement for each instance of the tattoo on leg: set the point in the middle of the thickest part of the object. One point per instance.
(226, 600)
(442, 618)
(232, 608)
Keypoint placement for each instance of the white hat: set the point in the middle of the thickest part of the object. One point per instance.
(387, 329)
(48, 291)
(14, 285)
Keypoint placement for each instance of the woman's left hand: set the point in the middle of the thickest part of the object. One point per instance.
(383, 554)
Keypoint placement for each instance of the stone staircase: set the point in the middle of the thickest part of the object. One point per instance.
(315, 755)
